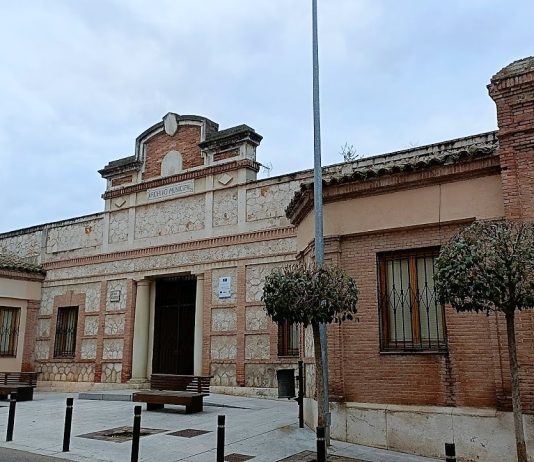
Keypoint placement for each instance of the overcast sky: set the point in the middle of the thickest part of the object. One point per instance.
(80, 79)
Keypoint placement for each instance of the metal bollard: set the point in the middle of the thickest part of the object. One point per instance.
(11, 416)
(300, 397)
(450, 452)
(220, 438)
(68, 425)
(136, 433)
(321, 445)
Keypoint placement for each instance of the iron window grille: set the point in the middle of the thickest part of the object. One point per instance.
(65, 339)
(9, 330)
(412, 319)
(288, 339)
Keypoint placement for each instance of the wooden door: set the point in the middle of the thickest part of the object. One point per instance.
(174, 326)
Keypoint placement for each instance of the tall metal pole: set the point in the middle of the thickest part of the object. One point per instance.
(318, 205)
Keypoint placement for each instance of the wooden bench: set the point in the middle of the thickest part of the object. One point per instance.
(156, 399)
(22, 383)
(193, 383)
(185, 390)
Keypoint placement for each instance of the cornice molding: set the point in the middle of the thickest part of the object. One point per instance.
(396, 182)
(236, 239)
(200, 173)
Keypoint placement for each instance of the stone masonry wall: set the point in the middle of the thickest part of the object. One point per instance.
(87, 234)
(103, 337)
(170, 217)
(268, 203)
(26, 246)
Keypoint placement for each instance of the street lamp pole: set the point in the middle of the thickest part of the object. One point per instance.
(318, 207)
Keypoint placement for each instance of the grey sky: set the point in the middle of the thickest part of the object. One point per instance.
(80, 79)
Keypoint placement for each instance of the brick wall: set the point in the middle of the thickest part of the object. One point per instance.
(30, 333)
(512, 89)
(185, 141)
(120, 180)
(218, 156)
(473, 373)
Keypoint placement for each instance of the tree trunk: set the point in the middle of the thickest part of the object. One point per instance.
(318, 375)
(516, 396)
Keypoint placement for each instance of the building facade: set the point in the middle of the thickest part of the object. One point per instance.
(169, 277)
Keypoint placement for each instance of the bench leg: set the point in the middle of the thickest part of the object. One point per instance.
(153, 407)
(195, 406)
(25, 394)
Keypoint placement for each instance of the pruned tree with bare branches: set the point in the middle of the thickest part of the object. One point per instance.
(309, 295)
(489, 267)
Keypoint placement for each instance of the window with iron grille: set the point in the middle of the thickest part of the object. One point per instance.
(9, 330)
(288, 339)
(412, 319)
(65, 341)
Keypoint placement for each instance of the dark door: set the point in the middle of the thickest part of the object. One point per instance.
(174, 326)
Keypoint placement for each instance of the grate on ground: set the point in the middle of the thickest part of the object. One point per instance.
(119, 434)
(310, 456)
(189, 433)
(237, 457)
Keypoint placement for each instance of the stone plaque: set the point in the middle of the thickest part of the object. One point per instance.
(175, 189)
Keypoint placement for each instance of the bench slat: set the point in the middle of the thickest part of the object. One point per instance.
(193, 383)
(26, 378)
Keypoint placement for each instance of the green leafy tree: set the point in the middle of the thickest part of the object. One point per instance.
(310, 296)
(487, 267)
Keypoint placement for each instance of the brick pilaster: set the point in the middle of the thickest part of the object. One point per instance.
(512, 89)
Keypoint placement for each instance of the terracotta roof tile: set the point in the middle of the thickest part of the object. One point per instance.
(14, 263)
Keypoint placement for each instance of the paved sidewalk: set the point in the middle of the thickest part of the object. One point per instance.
(265, 430)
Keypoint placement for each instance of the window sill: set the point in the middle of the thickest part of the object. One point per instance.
(413, 352)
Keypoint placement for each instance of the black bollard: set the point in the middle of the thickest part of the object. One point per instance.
(300, 397)
(450, 452)
(220, 438)
(321, 445)
(136, 433)
(68, 425)
(11, 416)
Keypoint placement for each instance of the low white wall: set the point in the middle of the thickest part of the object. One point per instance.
(480, 435)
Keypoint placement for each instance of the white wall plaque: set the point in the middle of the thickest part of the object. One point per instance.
(175, 189)
(225, 287)
(115, 296)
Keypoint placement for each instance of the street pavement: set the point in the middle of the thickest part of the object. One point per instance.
(260, 430)
(12, 455)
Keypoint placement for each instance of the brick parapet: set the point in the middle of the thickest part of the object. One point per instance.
(512, 89)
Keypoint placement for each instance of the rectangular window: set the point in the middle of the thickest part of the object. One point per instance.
(65, 341)
(412, 319)
(288, 339)
(9, 330)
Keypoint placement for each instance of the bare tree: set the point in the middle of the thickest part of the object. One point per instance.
(349, 153)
